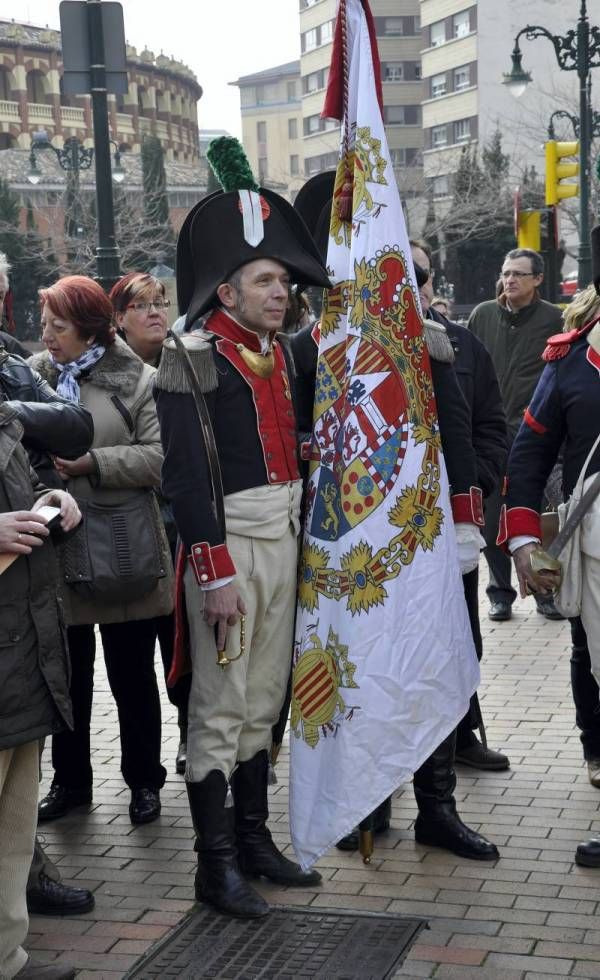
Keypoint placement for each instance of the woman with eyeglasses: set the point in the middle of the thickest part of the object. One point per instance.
(86, 363)
(141, 307)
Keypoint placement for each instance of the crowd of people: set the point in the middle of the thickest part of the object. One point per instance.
(151, 490)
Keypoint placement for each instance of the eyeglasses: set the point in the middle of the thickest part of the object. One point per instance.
(146, 307)
(515, 274)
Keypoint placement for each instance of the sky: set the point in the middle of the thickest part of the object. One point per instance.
(220, 40)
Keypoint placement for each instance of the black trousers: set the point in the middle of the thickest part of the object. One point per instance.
(500, 588)
(585, 692)
(179, 694)
(129, 658)
(464, 731)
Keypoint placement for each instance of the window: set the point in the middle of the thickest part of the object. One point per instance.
(35, 87)
(441, 186)
(439, 136)
(392, 71)
(291, 91)
(325, 161)
(405, 156)
(401, 115)
(294, 165)
(461, 24)
(263, 169)
(438, 85)
(5, 92)
(314, 124)
(462, 77)
(327, 32)
(437, 33)
(309, 39)
(315, 81)
(261, 132)
(307, 3)
(393, 25)
(418, 75)
(266, 94)
(462, 130)
(292, 129)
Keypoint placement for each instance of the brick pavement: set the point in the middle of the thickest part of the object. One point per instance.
(531, 916)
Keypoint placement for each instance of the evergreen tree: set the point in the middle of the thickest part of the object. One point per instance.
(156, 234)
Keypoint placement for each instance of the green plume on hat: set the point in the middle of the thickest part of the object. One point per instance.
(230, 164)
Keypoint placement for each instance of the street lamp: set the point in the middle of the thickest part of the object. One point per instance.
(576, 51)
(72, 157)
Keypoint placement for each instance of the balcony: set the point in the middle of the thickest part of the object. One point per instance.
(39, 112)
(9, 111)
(125, 122)
(162, 130)
(72, 116)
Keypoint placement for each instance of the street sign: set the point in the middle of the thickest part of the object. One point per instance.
(75, 33)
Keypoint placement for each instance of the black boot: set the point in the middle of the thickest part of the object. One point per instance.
(258, 854)
(438, 824)
(381, 817)
(218, 878)
(181, 757)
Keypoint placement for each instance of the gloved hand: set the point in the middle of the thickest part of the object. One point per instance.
(469, 544)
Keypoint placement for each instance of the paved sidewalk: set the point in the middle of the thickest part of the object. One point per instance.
(531, 916)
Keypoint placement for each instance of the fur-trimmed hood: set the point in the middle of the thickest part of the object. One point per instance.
(118, 370)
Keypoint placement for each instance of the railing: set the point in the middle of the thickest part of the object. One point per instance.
(124, 122)
(72, 114)
(9, 109)
(39, 110)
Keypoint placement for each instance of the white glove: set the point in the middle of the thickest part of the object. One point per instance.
(469, 544)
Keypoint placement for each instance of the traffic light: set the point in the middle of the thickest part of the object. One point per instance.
(557, 172)
(529, 231)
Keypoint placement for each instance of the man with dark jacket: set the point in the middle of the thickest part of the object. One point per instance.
(514, 329)
(479, 385)
(50, 426)
(34, 693)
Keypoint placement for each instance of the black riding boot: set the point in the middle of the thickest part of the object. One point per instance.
(181, 757)
(381, 817)
(438, 824)
(218, 878)
(258, 854)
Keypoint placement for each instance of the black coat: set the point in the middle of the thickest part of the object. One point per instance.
(479, 384)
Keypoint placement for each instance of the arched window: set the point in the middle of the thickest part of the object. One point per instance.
(142, 99)
(65, 100)
(36, 88)
(5, 90)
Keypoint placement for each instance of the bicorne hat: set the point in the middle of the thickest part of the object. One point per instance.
(240, 224)
(596, 258)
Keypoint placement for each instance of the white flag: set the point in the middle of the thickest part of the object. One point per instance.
(384, 663)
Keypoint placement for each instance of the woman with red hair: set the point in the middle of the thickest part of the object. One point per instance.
(87, 363)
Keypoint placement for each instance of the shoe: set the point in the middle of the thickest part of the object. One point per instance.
(381, 822)
(593, 767)
(60, 800)
(181, 759)
(45, 971)
(442, 827)
(438, 823)
(499, 612)
(53, 898)
(258, 855)
(144, 806)
(545, 606)
(219, 880)
(588, 855)
(478, 756)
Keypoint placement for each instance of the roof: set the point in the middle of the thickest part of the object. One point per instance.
(289, 68)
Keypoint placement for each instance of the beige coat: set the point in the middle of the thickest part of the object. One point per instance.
(128, 456)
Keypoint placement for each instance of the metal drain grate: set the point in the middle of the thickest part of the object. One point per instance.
(290, 944)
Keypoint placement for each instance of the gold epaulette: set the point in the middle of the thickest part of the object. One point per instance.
(171, 375)
(438, 342)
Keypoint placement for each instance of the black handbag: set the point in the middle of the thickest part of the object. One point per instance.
(115, 554)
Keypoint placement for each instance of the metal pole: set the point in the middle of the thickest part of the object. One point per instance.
(584, 254)
(107, 252)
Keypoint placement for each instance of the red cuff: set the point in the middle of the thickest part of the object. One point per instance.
(467, 508)
(517, 521)
(209, 563)
(305, 450)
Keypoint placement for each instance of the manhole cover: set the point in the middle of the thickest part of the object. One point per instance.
(290, 944)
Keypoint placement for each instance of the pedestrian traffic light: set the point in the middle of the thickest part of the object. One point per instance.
(557, 172)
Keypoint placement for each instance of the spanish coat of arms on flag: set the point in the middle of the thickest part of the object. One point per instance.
(384, 663)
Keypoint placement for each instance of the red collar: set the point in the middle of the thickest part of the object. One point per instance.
(223, 325)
